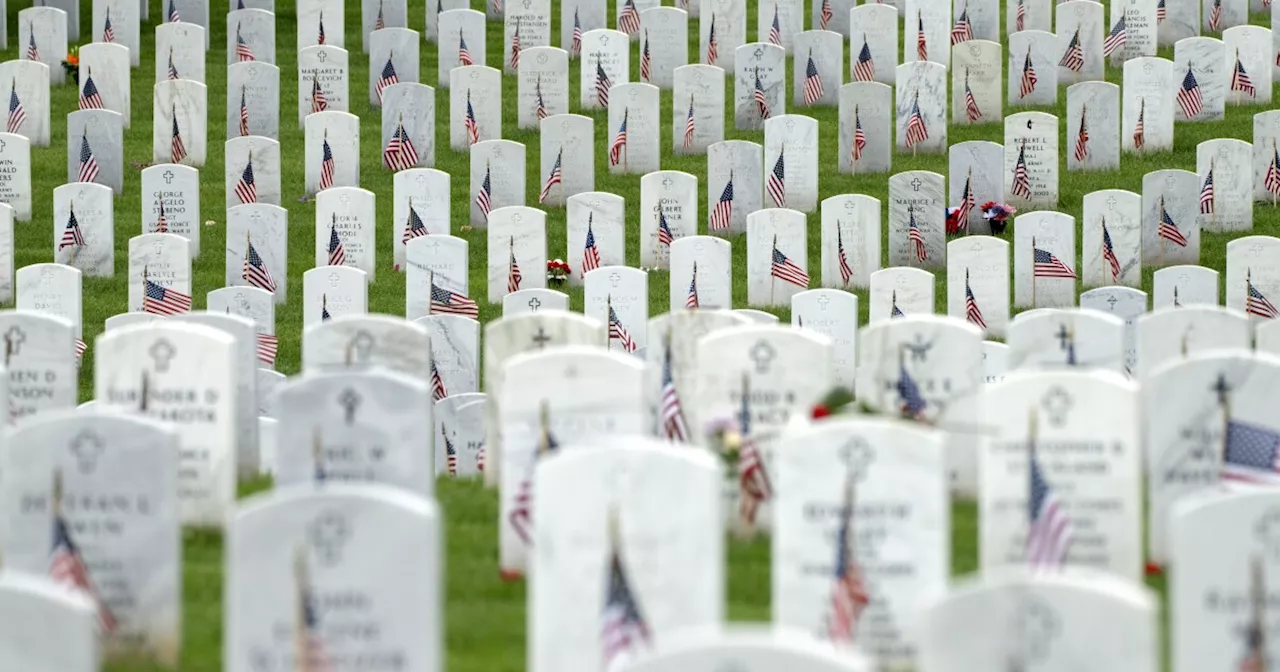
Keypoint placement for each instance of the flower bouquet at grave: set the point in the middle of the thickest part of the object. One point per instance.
(557, 272)
(723, 437)
(72, 64)
(997, 215)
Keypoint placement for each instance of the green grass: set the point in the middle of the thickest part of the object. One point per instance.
(485, 616)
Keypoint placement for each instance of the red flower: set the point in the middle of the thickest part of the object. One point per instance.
(820, 411)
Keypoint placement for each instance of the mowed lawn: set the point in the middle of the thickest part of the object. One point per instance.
(485, 616)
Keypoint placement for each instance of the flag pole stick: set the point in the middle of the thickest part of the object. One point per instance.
(1213, 201)
(773, 282)
(1159, 238)
(1033, 271)
(608, 332)
(1273, 162)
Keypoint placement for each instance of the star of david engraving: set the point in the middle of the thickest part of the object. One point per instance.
(87, 447)
(327, 534)
(162, 353)
(350, 402)
(361, 346)
(13, 340)
(1057, 405)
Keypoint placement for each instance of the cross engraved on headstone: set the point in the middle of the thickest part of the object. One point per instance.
(46, 277)
(534, 304)
(1057, 404)
(1147, 68)
(253, 73)
(1037, 624)
(632, 93)
(362, 346)
(162, 353)
(667, 182)
(1111, 301)
(614, 279)
(14, 338)
(327, 534)
(1062, 335)
(323, 56)
(344, 199)
(1256, 249)
(1222, 389)
(2, 145)
(1111, 203)
(856, 454)
(699, 247)
(915, 184)
(94, 121)
(791, 124)
(87, 446)
(541, 339)
(349, 399)
(517, 217)
(168, 177)
(604, 39)
(334, 278)
(824, 302)
(759, 53)
(763, 354)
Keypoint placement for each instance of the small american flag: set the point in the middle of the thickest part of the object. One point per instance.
(380, 21)
(326, 164)
(244, 53)
(515, 47)
(590, 253)
(674, 427)
(865, 69)
(177, 150)
(762, 101)
(825, 15)
(320, 38)
(90, 99)
(629, 18)
(108, 35)
(894, 310)
(849, 596)
(619, 146)
(1240, 79)
(1256, 303)
(268, 346)
(645, 64)
(88, 165)
(722, 214)
(484, 198)
(1116, 38)
(159, 300)
(575, 47)
(312, 654)
(972, 312)
(691, 299)
(602, 85)
(753, 481)
(1161, 12)
(173, 12)
(812, 82)
(448, 302)
(967, 202)
(971, 110)
(162, 222)
(963, 30)
(846, 271)
(72, 236)
(1048, 265)
(859, 136)
(913, 403)
(514, 277)
(33, 52)
(1206, 194)
(916, 237)
(246, 189)
(541, 109)
(1189, 98)
(1168, 230)
(387, 77)
(619, 333)
(922, 46)
(400, 153)
(1082, 138)
(450, 453)
(1139, 129)
(68, 568)
(439, 392)
(775, 29)
(81, 347)
(1029, 78)
(256, 272)
(777, 183)
(337, 253)
(553, 178)
(1020, 22)
(665, 235)
(1272, 181)
(1109, 253)
(16, 114)
(464, 54)
(413, 226)
(244, 114)
(1049, 529)
(521, 516)
(622, 628)
(319, 101)
(916, 130)
(469, 122)
(324, 309)
(173, 70)
(1252, 453)
(786, 270)
(689, 126)
(1073, 57)
(1215, 16)
(713, 48)
(1021, 179)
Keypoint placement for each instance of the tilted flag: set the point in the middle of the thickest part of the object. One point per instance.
(1109, 253)
(846, 271)
(865, 69)
(1161, 12)
(309, 648)
(162, 222)
(777, 183)
(1215, 16)
(849, 597)
(1168, 230)
(922, 46)
(177, 150)
(775, 29)
(825, 15)
(602, 85)
(173, 12)
(67, 566)
(665, 235)
(859, 136)
(1272, 181)
(72, 236)
(575, 47)
(629, 18)
(484, 198)
(337, 253)
(90, 98)
(812, 82)
(1048, 265)
(590, 253)
(619, 333)
(915, 236)
(438, 392)
(1081, 151)
(380, 21)
(1256, 303)
(1206, 194)
(450, 452)
(971, 110)
(246, 189)
(256, 272)
(515, 47)
(963, 30)
(319, 101)
(674, 427)
(268, 345)
(521, 516)
(514, 277)
(244, 114)
(623, 630)
(400, 153)
(1073, 57)
(1240, 79)
(464, 54)
(387, 77)
(324, 309)
(33, 52)
(782, 268)
(1021, 179)
(754, 487)
(413, 226)
(1049, 529)
(244, 53)
(761, 100)
(1020, 22)
(713, 47)
(158, 300)
(1140, 129)
(722, 213)
(469, 122)
(326, 163)
(320, 37)
(1189, 97)
(894, 310)
(108, 34)
(972, 313)
(645, 63)
(691, 299)
(968, 200)
(689, 126)
(1116, 38)
(917, 132)
(173, 70)
(553, 178)
(912, 402)
(540, 110)
(619, 146)
(448, 302)
(88, 171)
(1029, 78)
(1250, 454)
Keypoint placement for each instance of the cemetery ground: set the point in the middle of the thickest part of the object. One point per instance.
(485, 616)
